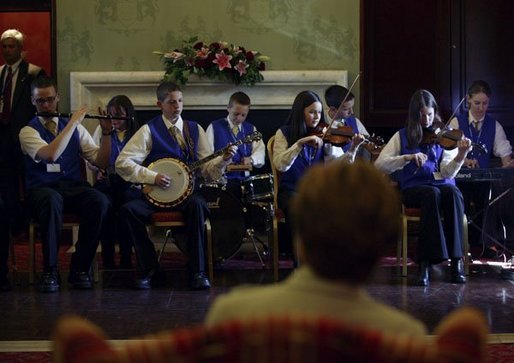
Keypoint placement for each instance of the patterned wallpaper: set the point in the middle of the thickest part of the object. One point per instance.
(107, 35)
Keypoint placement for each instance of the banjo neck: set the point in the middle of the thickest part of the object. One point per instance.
(255, 136)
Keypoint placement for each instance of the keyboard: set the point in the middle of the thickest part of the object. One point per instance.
(479, 174)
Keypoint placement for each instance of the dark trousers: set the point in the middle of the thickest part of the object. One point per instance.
(437, 240)
(118, 192)
(136, 214)
(47, 205)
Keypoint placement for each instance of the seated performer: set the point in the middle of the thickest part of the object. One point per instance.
(427, 182)
(296, 148)
(53, 148)
(481, 128)
(109, 182)
(167, 135)
(230, 129)
(338, 251)
(334, 95)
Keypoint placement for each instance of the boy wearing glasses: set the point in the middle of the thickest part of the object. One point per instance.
(53, 148)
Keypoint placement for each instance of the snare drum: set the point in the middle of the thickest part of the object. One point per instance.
(258, 188)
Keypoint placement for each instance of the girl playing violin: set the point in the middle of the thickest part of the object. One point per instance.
(298, 145)
(427, 182)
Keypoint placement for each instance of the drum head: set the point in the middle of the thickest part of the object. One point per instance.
(227, 218)
(180, 182)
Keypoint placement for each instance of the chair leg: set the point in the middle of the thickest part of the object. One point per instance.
(210, 262)
(465, 242)
(32, 251)
(275, 248)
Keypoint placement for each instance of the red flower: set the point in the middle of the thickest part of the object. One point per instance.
(262, 66)
(198, 45)
(215, 46)
(202, 63)
(250, 56)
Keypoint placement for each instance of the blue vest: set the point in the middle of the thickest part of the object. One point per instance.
(36, 174)
(165, 146)
(223, 136)
(411, 175)
(352, 122)
(116, 147)
(307, 157)
(485, 136)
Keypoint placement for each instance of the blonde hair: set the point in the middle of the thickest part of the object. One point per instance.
(345, 215)
(13, 33)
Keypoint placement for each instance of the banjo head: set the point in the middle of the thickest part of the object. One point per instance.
(181, 185)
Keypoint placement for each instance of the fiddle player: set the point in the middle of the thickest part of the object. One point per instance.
(235, 127)
(296, 149)
(53, 149)
(342, 114)
(427, 182)
(167, 135)
(482, 128)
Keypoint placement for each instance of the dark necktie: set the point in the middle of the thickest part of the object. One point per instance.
(6, 97)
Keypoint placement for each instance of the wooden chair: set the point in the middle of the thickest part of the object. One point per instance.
(460, 337)
(413, 215)
(278, 215)
(170, 219)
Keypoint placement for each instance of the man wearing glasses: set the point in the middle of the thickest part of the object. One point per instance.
(53, 148)
(15, 111)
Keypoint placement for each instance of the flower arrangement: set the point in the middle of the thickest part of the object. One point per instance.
(218, 60)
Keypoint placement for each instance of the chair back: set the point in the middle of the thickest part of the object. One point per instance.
(461, 337)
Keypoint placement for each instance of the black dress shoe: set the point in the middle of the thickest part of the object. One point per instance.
(152, 278)
(199, 281)
(80, 280)
(5, 284)
(423, 274)
(49, 282)
(457, 271)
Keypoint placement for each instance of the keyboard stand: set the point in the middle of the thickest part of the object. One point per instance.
(471, 220)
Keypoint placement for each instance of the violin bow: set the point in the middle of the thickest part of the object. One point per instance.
(454, 112)
(341, 104)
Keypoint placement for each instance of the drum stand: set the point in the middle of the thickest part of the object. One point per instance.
(250, 235)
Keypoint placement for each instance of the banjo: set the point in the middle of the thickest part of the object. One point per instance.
(182, 175)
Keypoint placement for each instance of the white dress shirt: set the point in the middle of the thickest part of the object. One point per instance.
(258, 148)
(501, 145)
(390, 159)
(284, 156)
(128, 163)
(31, 142)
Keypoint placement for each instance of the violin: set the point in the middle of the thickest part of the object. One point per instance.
(343, 135)
(447, 138)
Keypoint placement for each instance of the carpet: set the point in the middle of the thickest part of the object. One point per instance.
(498, 353)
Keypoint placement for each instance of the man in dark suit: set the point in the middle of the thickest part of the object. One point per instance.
(16, 110)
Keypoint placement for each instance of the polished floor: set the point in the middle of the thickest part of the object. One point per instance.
(124, 313)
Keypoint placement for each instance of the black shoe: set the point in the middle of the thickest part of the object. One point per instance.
(80, 280)
(457, 271)
(423, 274)
(199, 281)
(49, 282)
(152, 278)
(5, 285)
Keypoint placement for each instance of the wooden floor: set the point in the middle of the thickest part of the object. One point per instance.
(123, 313)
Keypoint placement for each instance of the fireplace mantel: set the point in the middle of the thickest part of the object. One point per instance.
(277, 91)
